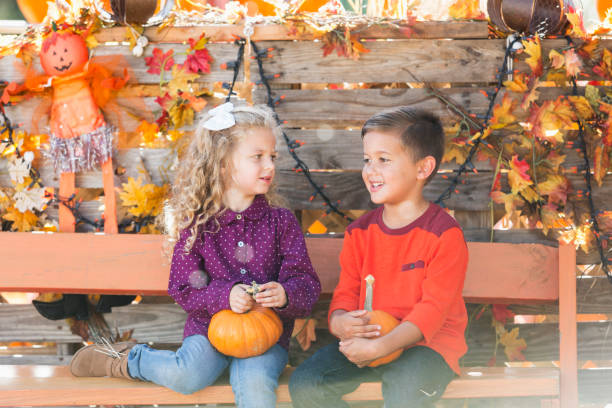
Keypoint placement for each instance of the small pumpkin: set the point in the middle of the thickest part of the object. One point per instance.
(63, 53)
(602, 8)
(244, 335)
(385, 320)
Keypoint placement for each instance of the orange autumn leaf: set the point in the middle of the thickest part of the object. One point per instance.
(533, 48)
(502, 113)
(550, 119)
(531, 96)
(466, 10)
(148, 133)
(518, 83)
(304, 332)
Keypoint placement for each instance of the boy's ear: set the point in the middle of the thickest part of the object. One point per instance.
(425, 167)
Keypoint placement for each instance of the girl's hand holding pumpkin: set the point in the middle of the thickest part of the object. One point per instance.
(240, 301)
(272, 294)
(346, 325)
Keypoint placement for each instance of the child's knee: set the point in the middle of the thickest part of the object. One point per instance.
(302, 383)
(187, 381)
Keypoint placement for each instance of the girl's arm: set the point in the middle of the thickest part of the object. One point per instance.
(296, 273)
(188, 284)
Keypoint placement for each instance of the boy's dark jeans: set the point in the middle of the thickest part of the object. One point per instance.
(416, 379)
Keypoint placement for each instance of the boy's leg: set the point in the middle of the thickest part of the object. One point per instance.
(195, 365)
(325, 377)
(416, 379)
(254, 380)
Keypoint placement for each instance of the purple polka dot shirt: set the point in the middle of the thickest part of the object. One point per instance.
(260, 244)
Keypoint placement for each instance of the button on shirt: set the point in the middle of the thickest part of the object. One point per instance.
(261, 244)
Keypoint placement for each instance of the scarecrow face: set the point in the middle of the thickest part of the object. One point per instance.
(63, 54)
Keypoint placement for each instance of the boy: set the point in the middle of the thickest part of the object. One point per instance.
(418, 256)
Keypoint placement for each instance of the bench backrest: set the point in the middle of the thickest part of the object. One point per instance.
(126, 263)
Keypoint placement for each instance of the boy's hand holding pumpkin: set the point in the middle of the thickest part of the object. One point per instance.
(240, 301)
(271, 294)
(346, 325)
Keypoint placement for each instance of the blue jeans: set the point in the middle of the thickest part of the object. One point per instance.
(196, 365)
(416, 379)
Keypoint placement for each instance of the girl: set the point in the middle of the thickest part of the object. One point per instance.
(226, 235)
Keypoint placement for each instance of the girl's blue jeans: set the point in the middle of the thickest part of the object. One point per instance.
(196, 365)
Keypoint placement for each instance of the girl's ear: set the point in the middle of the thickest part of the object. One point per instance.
(425, 167)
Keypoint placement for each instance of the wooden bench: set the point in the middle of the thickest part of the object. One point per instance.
(132, 264)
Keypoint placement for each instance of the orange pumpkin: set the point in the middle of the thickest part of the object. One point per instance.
(386, 321)
(310, 6)
(263, 7)
(190, 5)
(35, 11)
(63, 53)
(602, 7)
(247, 334)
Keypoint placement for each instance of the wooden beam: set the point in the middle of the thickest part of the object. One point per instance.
(48, 386)
(269, 32)
(567, 326)
(127, 263)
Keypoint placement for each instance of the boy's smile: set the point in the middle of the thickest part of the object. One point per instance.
(389, 171)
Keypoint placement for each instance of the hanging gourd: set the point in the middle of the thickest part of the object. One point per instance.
(386, 322)
(244, 335)
(544, 17)
(139, 12)
(80, 139)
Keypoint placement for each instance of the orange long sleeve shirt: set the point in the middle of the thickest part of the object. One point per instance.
(419, 271)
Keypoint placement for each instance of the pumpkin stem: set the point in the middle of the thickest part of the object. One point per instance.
(253, 289)
(367, 305)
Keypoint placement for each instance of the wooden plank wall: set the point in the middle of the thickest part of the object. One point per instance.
(329, 121)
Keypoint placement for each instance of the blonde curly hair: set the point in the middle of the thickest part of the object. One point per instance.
(197, 192)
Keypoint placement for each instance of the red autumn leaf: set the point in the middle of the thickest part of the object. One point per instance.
(501, 313)
(521, 167)
(604, 68)
(158, 60)
(163, 101)
(198, 62)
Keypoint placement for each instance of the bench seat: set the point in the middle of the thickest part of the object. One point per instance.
(55, 386)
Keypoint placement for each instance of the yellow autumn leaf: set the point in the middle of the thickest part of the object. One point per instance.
(577, 24)
(181, 114)
(582, 107)
(22, 221)
(143, 200)
(180, 80)
(533, 48)
(513, 345)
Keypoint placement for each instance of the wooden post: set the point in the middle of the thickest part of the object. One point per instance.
(568, 348)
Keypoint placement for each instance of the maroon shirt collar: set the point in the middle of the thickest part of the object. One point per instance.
(255, 211)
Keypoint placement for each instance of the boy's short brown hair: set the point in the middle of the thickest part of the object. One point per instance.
(421, 131)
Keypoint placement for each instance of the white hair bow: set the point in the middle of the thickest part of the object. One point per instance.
(221, 117)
